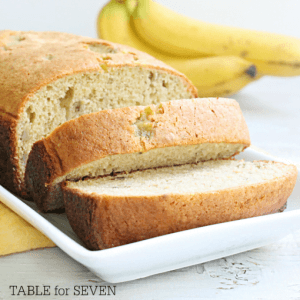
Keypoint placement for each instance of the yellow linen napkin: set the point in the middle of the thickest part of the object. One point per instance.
(16, 235)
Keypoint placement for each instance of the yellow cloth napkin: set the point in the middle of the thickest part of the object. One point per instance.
(16, 235)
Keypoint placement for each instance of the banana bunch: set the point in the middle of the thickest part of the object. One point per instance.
(219, 60)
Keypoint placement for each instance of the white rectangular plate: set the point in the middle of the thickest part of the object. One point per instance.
(169, 252)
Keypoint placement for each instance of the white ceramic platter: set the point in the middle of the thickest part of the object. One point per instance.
(169, 252)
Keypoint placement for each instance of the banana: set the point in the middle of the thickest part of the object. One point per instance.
(227, 88)
(175, 34)
(213, 76)
(114, 25)
(217, 76)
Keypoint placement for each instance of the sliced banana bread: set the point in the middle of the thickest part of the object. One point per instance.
(132, 138)
(116, 210)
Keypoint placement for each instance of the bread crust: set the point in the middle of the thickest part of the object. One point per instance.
(103, 221)
(31, 60)
(110, 132)
(8, 153)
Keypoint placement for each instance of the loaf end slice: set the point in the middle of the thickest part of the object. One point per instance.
(48, 78)
(134, 138)
(117, 210)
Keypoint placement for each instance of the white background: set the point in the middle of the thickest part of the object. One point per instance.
(272, 110)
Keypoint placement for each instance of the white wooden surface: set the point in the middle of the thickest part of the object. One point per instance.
(271, 272)
(271, 107)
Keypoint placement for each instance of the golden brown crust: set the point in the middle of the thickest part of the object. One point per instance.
(103, 221)
(31, 60)
(110, 132)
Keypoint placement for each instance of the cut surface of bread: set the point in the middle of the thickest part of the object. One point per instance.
(48, 78)
(116, 210)
(134, 138)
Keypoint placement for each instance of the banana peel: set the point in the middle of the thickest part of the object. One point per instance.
(17, 235)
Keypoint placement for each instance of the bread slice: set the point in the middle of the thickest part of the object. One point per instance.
(116, 210)
(47, 78)
(126, 139)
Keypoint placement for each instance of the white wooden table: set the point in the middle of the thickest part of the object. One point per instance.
(272, 110)
(271, 272)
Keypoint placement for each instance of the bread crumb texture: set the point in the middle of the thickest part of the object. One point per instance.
(185, 179)
(168, 156)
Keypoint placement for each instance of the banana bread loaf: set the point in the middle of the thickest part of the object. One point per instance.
(47, 78)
